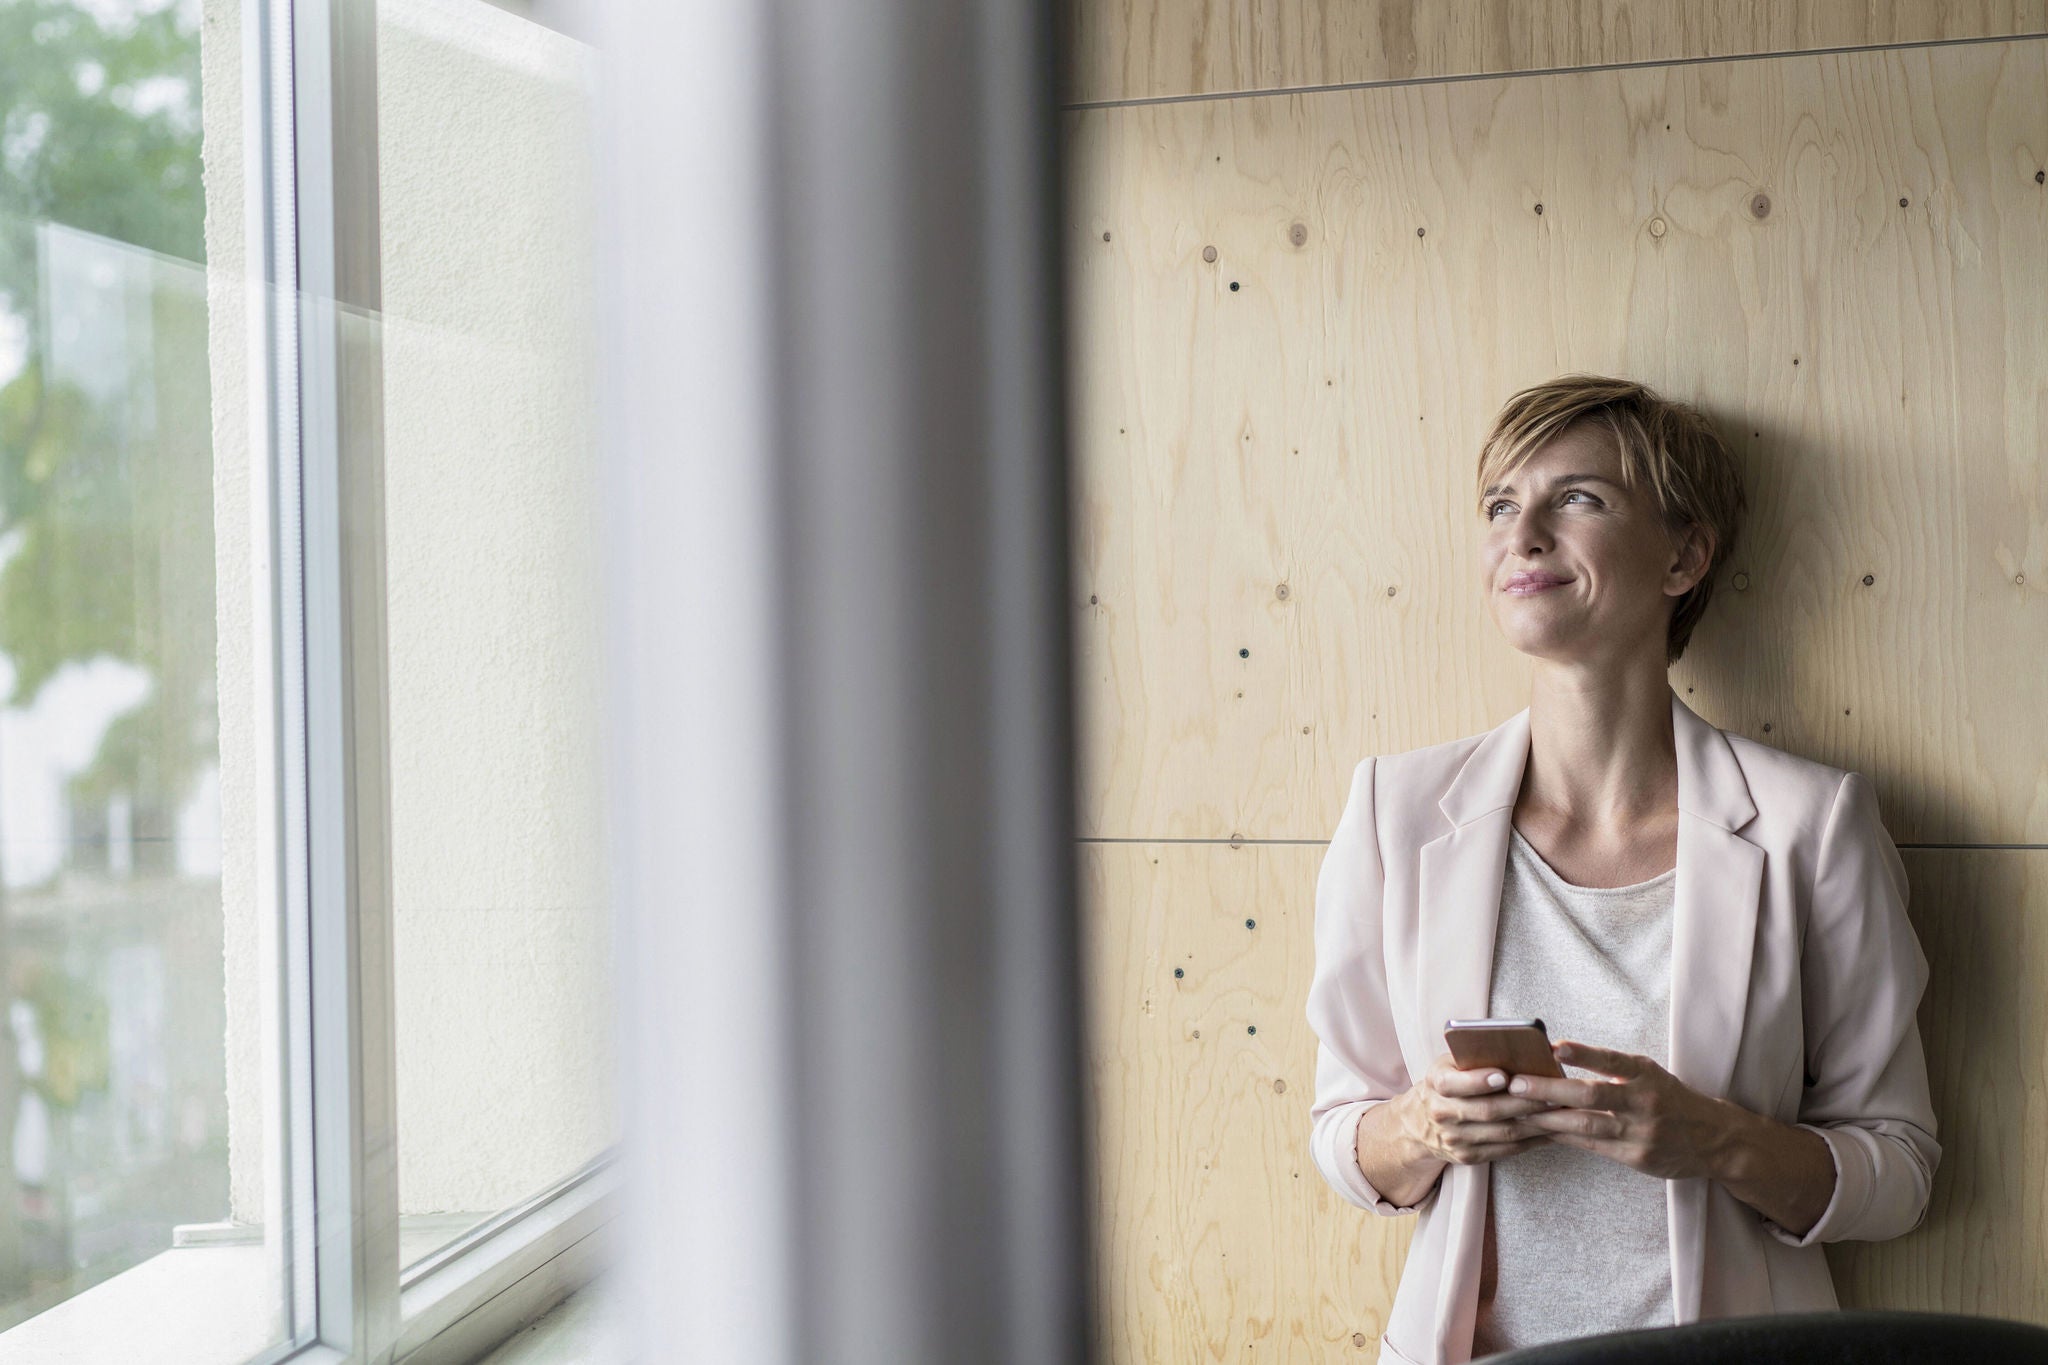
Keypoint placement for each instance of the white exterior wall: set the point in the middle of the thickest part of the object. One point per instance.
(502, 915)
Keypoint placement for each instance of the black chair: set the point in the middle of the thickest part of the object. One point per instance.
(1848, 1337)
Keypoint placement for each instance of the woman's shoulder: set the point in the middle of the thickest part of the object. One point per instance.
(1781, 781)
(1407, 784)
(1428, 763)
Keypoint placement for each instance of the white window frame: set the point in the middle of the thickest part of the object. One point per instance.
(312, 117)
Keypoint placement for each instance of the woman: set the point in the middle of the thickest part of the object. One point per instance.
(1714, 931)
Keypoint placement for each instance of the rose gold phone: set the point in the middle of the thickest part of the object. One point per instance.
(1516, 1046)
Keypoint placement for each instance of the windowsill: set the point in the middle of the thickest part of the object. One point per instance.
(188, 1306)
(216, 1304)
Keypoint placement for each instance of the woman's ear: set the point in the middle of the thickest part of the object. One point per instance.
(1695, 552)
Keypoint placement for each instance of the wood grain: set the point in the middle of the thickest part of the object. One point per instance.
(1148, 49)
(1216, 1237)
(1276, 522)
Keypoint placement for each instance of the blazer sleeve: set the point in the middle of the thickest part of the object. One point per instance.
(1862, 974)
(1358, 1056)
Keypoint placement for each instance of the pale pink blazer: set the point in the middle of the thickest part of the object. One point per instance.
(1795, 981)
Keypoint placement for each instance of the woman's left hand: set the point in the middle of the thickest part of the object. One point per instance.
(1645, 1118)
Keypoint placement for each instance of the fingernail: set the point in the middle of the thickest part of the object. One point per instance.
(1520, 1087)
(1495, 1079)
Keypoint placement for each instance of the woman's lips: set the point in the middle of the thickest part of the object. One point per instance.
(1525, 585)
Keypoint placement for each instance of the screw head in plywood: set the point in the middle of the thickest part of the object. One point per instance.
(1741, 582)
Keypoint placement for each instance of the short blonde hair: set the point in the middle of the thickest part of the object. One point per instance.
(1666, 445)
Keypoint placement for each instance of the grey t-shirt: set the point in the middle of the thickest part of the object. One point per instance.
(1576, 1243)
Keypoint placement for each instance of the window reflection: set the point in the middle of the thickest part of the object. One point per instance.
(114, 1131)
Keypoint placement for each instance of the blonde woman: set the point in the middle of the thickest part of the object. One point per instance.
(1713, 930)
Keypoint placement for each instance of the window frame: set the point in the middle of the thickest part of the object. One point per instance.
(312, 284)
(311, 113)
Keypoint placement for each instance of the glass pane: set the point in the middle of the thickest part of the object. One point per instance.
(138, 1202)
(492, 557)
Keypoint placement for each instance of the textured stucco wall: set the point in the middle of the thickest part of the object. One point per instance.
(244, 903)
(502, 917)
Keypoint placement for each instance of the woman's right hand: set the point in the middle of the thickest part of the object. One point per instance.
(1448, 1116)
(1465, 1117)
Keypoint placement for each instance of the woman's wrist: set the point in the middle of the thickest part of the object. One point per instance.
(1785, 1172)
(1740, 1145)
(1391, 1156)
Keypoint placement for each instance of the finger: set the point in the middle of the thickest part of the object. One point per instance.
(1572, 1090)
(1605, 1060)
(1466, 1136)
(1580, 1093)
(1597, 1123)
(1501, 1151)
(1610, 1148)
(1450, 1080)
(1485, 1108)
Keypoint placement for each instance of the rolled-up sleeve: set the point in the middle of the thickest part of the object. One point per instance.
(1358, 1057)
(1862, 973)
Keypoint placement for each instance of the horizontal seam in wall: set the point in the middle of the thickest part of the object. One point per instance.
(1395, 82)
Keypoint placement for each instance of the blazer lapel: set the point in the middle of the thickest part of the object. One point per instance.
(1458, 885)
(1713, 939)
(1714, 915)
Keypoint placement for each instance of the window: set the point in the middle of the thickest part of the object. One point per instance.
(301, 845)
(494, 604)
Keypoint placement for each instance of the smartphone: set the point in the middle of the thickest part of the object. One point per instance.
(1516, 1046)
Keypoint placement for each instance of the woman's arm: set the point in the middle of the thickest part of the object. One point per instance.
(1866, 1102)
(1359, 1067)
(1368, 1123)
(1398, 1166)
(1862, 975)
(1649, 1120)
(1783, 1171)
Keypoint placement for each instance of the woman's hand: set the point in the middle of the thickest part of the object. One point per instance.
(1465, 1117)
(1645, 1118)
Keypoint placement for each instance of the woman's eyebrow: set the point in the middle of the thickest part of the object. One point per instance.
(1558, 482)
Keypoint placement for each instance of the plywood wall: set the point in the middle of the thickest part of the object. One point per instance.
(1292, 317)
(1149, 49)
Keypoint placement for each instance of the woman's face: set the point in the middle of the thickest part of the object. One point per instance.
(1575, 568)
